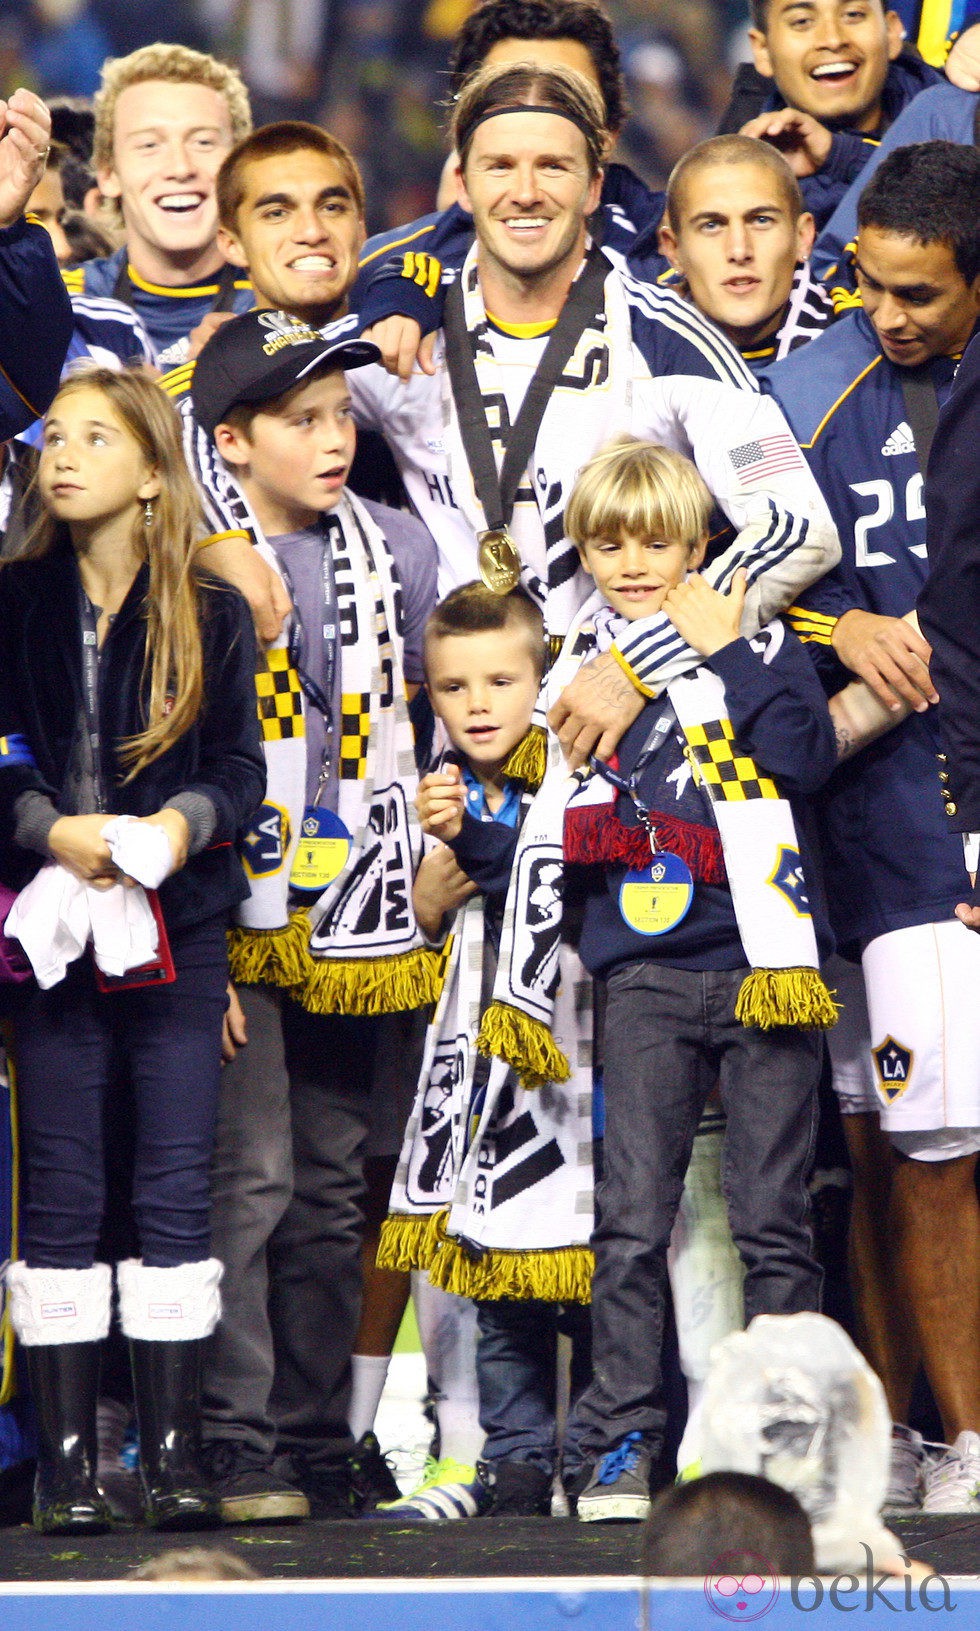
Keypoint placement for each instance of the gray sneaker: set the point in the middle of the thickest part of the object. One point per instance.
(906, 1471)
(619, 1488)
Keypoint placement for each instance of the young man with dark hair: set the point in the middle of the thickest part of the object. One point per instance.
(738, 236)
(829, 77)
(862, 400)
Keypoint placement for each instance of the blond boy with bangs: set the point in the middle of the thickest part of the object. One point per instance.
(676, 893)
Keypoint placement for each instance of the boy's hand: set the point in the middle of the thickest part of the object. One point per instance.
(440, 802)
(440, 886)
(706, 619)
(234, 1031)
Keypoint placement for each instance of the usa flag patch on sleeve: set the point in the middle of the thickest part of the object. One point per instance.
(767, 456)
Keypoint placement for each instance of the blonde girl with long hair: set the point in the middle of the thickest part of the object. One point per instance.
(126, 689)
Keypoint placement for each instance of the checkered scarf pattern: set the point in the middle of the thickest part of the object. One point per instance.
(366, 913)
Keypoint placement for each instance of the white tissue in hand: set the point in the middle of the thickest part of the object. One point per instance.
(139, 849)
(50, 918)
(124, 930)
(793, 1400)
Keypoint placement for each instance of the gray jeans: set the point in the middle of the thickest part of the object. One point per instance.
(287, 1223)
(670, 1035)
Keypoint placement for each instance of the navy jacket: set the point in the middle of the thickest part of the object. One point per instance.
(780, 718)
(41, 700)
(949, 603)
(35, 325)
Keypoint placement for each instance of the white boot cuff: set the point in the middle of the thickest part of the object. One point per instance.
(177, 1304)
(49, 1307)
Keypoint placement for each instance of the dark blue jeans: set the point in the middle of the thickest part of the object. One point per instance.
(670, 1034)
(69, 1043)
(516, 1360)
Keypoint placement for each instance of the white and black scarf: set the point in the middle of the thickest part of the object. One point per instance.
(357, 948)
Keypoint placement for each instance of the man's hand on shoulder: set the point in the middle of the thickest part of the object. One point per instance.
(235, 560)
(209, 324)
(595, 710)
(803, 141)
(889, 654)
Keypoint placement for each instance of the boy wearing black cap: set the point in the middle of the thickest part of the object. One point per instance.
(328, 938)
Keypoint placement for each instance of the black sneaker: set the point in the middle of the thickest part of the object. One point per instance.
(249, 1491)
(328, 1486)
(520, 1490)
(371, 1477)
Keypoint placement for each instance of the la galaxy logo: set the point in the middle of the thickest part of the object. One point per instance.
(893, 1065)
(787, 877)
(266, 842)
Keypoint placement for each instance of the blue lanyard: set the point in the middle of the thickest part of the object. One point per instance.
(321, 699)
(629, 784)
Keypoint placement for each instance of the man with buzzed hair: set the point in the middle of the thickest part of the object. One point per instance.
(829, 77)
(738, 236)
(164, 119)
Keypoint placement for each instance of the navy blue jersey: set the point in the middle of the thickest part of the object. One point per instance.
(35, 325)
(889, 856)
(105, 333)
(405, 271)
(168, 314)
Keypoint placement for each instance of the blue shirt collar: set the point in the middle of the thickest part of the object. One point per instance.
(476, 800)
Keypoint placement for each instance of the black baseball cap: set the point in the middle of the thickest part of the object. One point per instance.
(261, 354)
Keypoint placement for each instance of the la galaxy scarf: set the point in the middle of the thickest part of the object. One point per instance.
(356, 949)
(759, 846)
(493, 1191)
(590, 404)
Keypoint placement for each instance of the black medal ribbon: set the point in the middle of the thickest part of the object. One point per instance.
(497, 491)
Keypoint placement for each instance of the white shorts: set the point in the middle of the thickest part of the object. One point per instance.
(908, 1041)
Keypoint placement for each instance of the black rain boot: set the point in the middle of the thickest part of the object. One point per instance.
(167, 1387)
(64, 1380)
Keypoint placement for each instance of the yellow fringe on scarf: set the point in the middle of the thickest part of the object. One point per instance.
(528, 762)
(786, 996)
(560, 1276)
(270, 956)
(370, 985)
(410, 1242)
(524, 1043)
(333, 985)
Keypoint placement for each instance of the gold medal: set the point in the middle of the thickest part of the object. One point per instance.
(499, 561)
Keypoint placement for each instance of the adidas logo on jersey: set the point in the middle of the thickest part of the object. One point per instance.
(901, 440)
